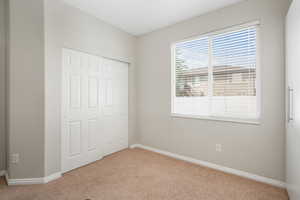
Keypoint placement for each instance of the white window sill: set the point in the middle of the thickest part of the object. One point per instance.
(233, 120)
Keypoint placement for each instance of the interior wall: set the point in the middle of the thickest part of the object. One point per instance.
(69, 27)
(2, 85)
(26, 88)
(257, 149)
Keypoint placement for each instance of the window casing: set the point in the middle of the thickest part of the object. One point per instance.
(217, 76)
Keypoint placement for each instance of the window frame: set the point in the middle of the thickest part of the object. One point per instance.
(258, 82)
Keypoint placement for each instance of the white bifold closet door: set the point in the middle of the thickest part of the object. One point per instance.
(94, 107)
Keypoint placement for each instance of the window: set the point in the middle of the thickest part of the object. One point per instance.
(216, 76)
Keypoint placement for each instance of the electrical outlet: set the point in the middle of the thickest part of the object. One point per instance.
(15, 158)
(218, 147)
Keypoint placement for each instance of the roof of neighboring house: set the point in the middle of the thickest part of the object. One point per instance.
(218, 70)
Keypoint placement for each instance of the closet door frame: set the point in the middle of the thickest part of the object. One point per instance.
(64, 104)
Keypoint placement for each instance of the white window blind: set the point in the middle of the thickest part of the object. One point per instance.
(216, 75)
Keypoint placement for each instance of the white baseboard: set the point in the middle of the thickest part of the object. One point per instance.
(25, 181)
(244, 174)
(32, 181)
(52, 177)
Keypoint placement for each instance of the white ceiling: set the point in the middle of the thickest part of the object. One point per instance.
(142, 16)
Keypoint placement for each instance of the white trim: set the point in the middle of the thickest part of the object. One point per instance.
(219, 31)
(173, 76)
(27, 181)
(52, 177)
(221, 119)
(136, 146)
(32, 181)
(2, 173)
(244, 174)
(210, 71)
(62, 111)
(259, 80)
(98, 55)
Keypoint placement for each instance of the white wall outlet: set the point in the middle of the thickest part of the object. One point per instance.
(15, 158)
(218, 147)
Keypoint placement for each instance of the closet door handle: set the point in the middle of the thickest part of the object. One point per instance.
(290, 104)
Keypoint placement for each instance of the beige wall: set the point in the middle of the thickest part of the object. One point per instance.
(69, 27)
(2, 85)
(251, 148)
(26, 88)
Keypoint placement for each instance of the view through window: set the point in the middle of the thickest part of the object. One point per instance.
(216, 75)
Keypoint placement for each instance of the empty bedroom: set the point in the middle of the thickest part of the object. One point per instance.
(149, 100)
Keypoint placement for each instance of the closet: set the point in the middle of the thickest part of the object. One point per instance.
(94, 108)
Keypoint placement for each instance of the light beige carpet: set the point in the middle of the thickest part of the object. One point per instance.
(136, 174)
